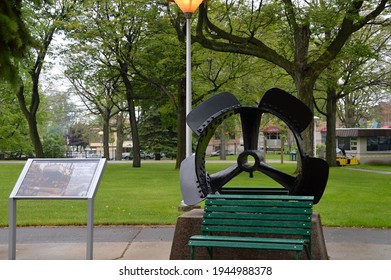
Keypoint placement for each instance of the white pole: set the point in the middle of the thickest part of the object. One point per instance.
(188, 84)
(90, 229)
(315, 119)
(12, 229)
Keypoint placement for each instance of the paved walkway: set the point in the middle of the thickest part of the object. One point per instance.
(154, 243)
(370, 171)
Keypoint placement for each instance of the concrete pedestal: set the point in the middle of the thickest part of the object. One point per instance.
(190, 224)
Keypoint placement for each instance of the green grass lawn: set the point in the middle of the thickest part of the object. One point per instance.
(151, 195)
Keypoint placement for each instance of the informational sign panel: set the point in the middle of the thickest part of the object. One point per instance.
(57, 179)
(62, 178)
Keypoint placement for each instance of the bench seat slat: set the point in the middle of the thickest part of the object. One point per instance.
(249, 209)
(264, 230)
(260, 203)
(257, 223)
(263, 216)
(247, 245)
(260, 197)
(246, 239)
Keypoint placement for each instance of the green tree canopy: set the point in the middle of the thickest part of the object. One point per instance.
(300, 37)
(15, 38)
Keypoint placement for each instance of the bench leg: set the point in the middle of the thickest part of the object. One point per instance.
(210, 252)
(191, 252)
(308, 250)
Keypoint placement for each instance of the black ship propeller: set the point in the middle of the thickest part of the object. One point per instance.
(196, 183)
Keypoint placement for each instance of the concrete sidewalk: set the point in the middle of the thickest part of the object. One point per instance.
(70, 243)
(154, 243)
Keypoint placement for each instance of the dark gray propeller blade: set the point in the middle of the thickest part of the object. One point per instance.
(191, 190)
(286, 180)
(200, 116)
(313, 179)
(250, 119)
(219, 179)
(288, 108)
(314, 175)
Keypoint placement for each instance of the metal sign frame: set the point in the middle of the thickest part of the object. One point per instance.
(57, 179)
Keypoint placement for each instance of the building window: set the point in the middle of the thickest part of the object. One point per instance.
(353, 144)
(272, 136)
(379, 143)
(347, 143)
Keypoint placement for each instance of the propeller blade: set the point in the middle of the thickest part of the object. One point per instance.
(250, 118)
(287, 107)
(191, 191)
(219, 179)
(218, 104)
(313, 180)
(286, 180)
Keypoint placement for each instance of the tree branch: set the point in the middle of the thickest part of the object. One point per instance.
(348, 27)
(235, 44)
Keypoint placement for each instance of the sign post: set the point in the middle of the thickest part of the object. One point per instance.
(57, 179)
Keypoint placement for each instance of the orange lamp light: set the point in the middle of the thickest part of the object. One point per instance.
(188, 6)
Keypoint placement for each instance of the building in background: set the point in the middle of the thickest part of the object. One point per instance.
(368, 145)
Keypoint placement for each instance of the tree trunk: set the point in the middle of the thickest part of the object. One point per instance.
(134, 129)
(30, 116)
(304, 94)
(222, 142)
(120, 136)
(132, 113)
(304, 81)
(349, 120)
(106, 136)
(34, 136)
(35, 71)
(331, 127)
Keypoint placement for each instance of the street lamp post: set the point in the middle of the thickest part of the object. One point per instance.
(188, 7)
(315, 125)
(101, 133)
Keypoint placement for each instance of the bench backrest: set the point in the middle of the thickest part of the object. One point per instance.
(258, 214)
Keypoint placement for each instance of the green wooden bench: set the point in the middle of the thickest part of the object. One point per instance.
(268, 222)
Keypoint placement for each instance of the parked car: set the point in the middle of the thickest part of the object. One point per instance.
(143, 155)
(126, 156)
(217, 153)
(93, 156)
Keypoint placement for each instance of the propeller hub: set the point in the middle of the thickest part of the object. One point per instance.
(249, 160)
